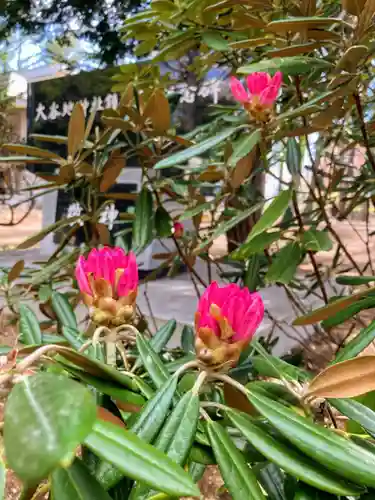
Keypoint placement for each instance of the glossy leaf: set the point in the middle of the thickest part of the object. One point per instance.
(323, 445)
(285, 264)
(161, 338)
(357, 344)
(63, 310)
(152, 362)
(36, 435)
(357, 412)
(238, 476)
(354, 280)
(155, 411)
(272, 213)
(112, 170)
(76, 483)
(293, 156)
(316, 241)
(196, 150)
(187, 339)
(143, 222)
(345, 379)
(297, 24)
(297, 65)
(243, 146)
(24, 149)
(157, 109)
(255, 245)
(288, 458)
(327, 311)
(139, 460)
(163, 223)
(29, 328)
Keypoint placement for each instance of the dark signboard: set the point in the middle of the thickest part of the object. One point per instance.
(50, 104)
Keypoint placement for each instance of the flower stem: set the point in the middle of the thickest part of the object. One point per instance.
(199, 382)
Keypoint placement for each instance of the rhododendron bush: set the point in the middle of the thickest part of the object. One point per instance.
(102, 406)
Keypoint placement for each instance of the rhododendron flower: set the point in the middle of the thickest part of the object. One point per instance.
(261, 93)
(108, 281)
(225, 322)
(178, 229)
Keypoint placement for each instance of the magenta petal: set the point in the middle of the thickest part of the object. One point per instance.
(81, 276)
(123, 288)
(238, 90)
(277, 80)
(257, 82)
(269, 96)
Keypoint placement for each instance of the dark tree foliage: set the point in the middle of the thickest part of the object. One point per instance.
(97, 21)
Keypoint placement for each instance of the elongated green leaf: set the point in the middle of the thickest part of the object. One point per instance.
(255, 245)
(154, 413)
(63, 310)
(152, 362)
(32, 151)
(143, 222)
(187, 339)
(98, 369)
(238, 477)
(316, 241)
(139, 460)
(272, 479)
(177, 436)
(35, 238)
(288, 458)
(321, 444)
(356, 411)
(357, 344)
(160, 339)
(243, 146)
(354, 280)
(297, 65)
(30, 333)
(76, 483)
(163, 223)
(73, 336)
(293, 156)
(284, 265)
(215, 41)
(36, 435)
(271, 214)
(196, 150)
(274, 367)
(333, 308)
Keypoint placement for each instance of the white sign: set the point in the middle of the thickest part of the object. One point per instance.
(55, 110)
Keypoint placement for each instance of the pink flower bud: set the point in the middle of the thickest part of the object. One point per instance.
(108, 276)
(225, 322)
(262, 91)
(178, 229)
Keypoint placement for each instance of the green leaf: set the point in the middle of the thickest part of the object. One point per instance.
(357, 344)
(354, 280)
(356, 411)
(331, 309)
(272, 213)
(30, 333)
(152, 362)
(98, 369)
(160, 339)
(45, 292)
(46, 417)
(323, 445)
(73, 336)
(139, 460)
(238, 477)
(297, 65)
(293, 156)
(154, 413)
(215, 41)
(177, 436)
(243, 146)
(288, 458)
(143, 222)
(349, 312)
(284, 265)
(272, 479)
(76, 483)
(251, 278)
(274, 367)
(196, 150)
(255, 245)
(296, 24)
(187, 339)
(63, 310)
(163, 223)
(316, 241)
